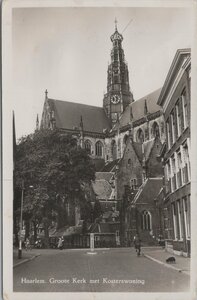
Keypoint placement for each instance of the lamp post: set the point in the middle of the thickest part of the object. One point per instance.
(21, 223)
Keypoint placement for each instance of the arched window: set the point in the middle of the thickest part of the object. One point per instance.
(146, 220)
(155, 130)
(146, 134)
(88, 146)
(113, 149)
(99, 149)
(140, 136)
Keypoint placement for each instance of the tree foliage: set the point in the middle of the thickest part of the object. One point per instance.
(54, 169)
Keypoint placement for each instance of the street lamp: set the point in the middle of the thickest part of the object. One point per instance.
(21, 220)
(21, 223)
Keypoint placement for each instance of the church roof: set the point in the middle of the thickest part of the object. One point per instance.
(104, 175)
(110, 166)
(149, 190)
(68, 115)
(138, 108)
(102, 189)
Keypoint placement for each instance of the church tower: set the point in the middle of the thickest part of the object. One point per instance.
(118, 94)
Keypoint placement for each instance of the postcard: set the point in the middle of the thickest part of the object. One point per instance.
(99, 141)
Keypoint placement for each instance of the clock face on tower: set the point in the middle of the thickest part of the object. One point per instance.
(115, 99)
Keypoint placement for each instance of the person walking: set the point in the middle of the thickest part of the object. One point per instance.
(137, 244)
(60, 243)
(27, 244)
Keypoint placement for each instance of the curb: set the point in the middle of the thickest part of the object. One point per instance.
(166, 265)
(26, 260)
(83, 249)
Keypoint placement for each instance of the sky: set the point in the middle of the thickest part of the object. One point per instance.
(67, 51)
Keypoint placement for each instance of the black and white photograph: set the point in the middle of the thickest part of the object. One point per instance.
(97, 144)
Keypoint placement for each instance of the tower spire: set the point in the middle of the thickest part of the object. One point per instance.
(118, 95)
(46, 94)
(115, 23)
(145, 107)
(37, 123)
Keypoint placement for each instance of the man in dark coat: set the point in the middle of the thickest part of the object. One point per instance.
(137, 244)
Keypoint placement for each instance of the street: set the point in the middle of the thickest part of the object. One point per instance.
(110, 270)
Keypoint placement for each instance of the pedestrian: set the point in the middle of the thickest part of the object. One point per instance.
(60, 243)
(137, 244)
(27, 244)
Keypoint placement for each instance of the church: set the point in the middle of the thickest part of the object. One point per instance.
(124, 137)
(104, 130)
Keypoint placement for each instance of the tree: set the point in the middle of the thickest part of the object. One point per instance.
(54, 169)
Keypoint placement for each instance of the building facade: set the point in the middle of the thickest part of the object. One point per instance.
(175, 100)
(140, 178)
(124, 138)
(103, 131)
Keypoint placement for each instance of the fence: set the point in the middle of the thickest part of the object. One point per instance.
(83, 241)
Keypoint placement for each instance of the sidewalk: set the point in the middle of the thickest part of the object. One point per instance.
(26, 256)
(160, 255)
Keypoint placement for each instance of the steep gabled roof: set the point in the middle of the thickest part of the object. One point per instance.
(110, 166)
(104, 175)
(102, 189)
(149, 190)
(137, 108)
(68, 115)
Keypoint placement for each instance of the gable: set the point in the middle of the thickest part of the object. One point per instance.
(132, 152)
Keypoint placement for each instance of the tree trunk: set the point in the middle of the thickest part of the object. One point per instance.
(46, 232)
(35, 231)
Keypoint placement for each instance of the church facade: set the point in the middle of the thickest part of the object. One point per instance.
(124, 138)
(103, 131)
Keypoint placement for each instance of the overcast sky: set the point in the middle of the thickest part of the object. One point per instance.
(67, 50)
